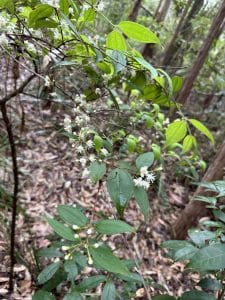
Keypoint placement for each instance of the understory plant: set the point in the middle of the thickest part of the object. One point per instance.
(116, 107)
(204, 252)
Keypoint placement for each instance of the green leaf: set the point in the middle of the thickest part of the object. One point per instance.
(56, 280)
(199, 237)
(196, 295)
(41, 12)
(138, 32)
(145, 160)
(109, 291)
(43, 295)
(48, 272)
(115, 41)
(113, 227)
(89, 15)
(218, 214)
(118, 60)
(175, 132)
(188, 143)
(98, 142)
(175, 244)
(210, 284)
(210, 200)
(63, 231)
(177, 83)
(71, 268)
(120, 186)
(73, 295)
(210, 258)
(164, 297)
(97, 171)
(49, 252)
(198, 125)
(141, 198)
(91, 282)
(72, 215)
(147, 66)
(106, 260)
(184, 253)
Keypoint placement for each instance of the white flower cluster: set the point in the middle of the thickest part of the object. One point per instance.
(145, 179)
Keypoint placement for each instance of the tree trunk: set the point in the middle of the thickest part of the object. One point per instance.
(215, 30)
(196, 209)
(172, 47)
(134, 13)
(160, 16)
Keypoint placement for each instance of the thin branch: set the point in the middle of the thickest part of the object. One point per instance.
(8, 127)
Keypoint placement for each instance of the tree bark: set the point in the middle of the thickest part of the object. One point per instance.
(134, 13)
(172, 47)
(196, 209)
(160, 16)
(215, 30)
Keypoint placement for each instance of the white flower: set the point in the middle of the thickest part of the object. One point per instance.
(3, 22)
(104, 152)
(89, 231)
(3, 40)
(92, 157)
(151, 177)
(85, 173)
(83, 161)
(76, 236)
(65, 248)
(100, 6)
(144, 171)
(89, 144)
(75, 227)
(47, 81)
(80, 149)
(67, 124)
(71, 10)
(96, 245)
(141, 183)
(98, 91)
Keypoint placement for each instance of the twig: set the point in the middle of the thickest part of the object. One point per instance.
(8, 127)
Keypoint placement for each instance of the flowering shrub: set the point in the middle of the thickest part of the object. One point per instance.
(111, 96)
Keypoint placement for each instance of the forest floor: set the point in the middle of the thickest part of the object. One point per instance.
(49, 175)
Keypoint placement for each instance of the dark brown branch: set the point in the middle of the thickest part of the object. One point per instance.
(8, 127)
(17, 91)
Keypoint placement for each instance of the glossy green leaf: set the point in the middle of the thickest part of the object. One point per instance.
(109, 291)
(91, 282)
(72, 215)
(175, 132)
(188, 143)
(145, 160)
(202, 128)
(210, 258)
(97, 171)
(48, 272)
(218, 214)
(115, 41)
(113, 227)
(120, 186)
(98, 142)
(196, 295)
(142, 200)
(43, 295)
(106, 260)
(138, 32)
(63, 231)
(175, 244)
